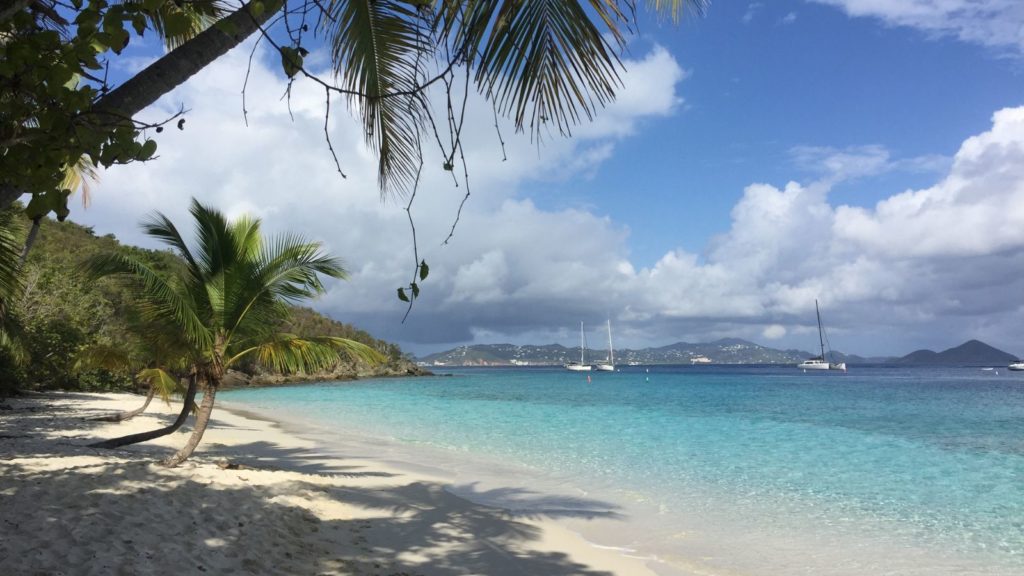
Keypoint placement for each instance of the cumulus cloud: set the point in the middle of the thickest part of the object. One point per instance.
(994, 23)
(929, 266)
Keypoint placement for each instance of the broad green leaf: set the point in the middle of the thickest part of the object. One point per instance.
(401, 292)
(148, 149)
(291, 60)
(424, 270)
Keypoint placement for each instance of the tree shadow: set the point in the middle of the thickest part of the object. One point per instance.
(136, 517)
(119, 512)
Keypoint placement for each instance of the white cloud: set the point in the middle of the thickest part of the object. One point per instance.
(994, 23)
(752, 9)
(788, 19)
(837, 165)
(933, 265)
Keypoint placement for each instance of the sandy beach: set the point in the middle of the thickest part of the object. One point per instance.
(255, 499)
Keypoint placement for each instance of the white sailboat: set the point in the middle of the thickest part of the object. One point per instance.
(608, 366)
(580, 366)
(819, 362)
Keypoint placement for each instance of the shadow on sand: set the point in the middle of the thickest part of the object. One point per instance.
(125, 514)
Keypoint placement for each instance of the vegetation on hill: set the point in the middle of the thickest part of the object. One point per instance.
(60, 313)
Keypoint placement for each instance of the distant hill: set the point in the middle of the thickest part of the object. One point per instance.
(969, 353)
(724, 351)
(64, 312)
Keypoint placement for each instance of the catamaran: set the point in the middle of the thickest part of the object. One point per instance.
(609, 365)
(819, 362)
(580, 366)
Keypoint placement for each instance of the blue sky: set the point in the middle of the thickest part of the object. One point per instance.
(758, 89)
(867, 154)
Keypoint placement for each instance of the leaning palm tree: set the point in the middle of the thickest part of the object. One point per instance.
(547, 64)
(227, 299)
(150, 366)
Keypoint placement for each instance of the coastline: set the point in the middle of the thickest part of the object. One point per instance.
(257, 497)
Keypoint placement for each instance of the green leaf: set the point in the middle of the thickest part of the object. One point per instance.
(256, 9)
(139, 23)
(401, 291)
(148, 149)
(36, 207)
(291, 60)
(424, 270)
(415, 290)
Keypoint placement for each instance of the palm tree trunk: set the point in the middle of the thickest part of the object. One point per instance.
(202, 419)
(128, 414)
(178, 65)
(186, 407)
(29, 241)
(169, 72)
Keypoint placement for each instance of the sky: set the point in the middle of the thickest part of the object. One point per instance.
(866, 154)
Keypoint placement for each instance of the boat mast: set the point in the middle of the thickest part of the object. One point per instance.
(821, 337)
(611, 353)
(583, 346)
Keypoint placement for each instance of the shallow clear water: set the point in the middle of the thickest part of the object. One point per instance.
(890, 459)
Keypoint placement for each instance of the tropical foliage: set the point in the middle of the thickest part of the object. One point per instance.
(61, 317)
(226, 299)
(547, 64)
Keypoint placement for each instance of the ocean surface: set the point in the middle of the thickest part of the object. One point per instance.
(718, 469)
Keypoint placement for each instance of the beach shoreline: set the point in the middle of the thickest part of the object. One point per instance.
(256, 498)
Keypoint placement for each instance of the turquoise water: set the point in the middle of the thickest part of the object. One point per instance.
(889, 459)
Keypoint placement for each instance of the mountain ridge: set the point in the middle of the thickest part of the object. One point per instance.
(721, 351)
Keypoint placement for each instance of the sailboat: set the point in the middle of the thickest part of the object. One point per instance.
(580, 366)
(819, 362)
(608, 366)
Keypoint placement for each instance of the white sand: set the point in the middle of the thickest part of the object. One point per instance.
(287, 508)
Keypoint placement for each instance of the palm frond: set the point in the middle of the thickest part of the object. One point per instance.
(12, 229)
(104, 357)
(177, 22)
(159, 299)
(11, 285)
(677, 8)
(162, 381)
(377, 47)
(78, 177)
(160, 227)
(288, 269)
(288, 353)
(546, 63)
(216, 247)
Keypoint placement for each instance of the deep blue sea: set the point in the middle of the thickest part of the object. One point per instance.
(761, 470)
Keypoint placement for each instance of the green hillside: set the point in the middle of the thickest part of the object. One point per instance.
(62, 313)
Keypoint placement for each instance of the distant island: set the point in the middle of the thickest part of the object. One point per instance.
(724, 351)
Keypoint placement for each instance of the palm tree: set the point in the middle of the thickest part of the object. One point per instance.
(548, 64)
(159, 376)
(228, 298)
